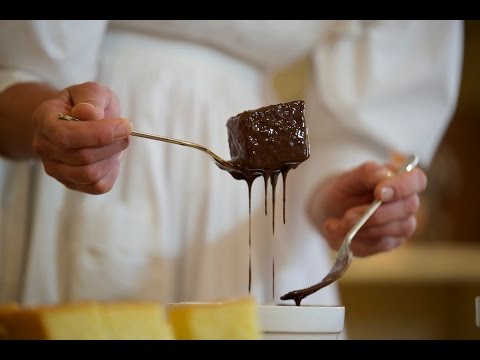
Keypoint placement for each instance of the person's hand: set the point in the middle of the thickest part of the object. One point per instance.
(82, 155)
(338, 203)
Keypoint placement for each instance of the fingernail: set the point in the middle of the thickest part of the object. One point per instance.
(387, 193)
(92, 107)
(86, 104)
(122, 130)
(383, 174)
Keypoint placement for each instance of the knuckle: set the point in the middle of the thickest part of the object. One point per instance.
(410, 226)
(89, 86)
(84, 156)
(102, 187)
(125, 143)
(378, 217)
(422, 179)
(70, 185)
(62, 138)
(106, 183)
(413, 204)
(89, 174)
(103, 136)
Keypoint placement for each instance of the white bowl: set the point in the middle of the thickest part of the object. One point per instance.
(305, 322)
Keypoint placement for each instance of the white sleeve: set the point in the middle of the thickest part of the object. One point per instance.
(60, 52)
(382, 86)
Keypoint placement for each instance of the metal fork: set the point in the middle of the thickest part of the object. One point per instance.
(345, 254)
(220, 162)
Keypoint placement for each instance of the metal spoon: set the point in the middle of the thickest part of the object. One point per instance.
(345, 254)
(220, 162)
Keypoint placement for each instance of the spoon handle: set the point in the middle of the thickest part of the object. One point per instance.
(218, 160)
(143, 134)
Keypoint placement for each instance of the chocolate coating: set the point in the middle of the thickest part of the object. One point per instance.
(270, 138)
(267, 142)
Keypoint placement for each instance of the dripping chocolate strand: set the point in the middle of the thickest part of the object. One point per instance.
(265, 142)
(273, 181)
(284, 180)
(265, 180)
(273, 278)
(249, 182)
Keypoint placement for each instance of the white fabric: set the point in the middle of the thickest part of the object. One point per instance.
(62, 52)
(175, 227)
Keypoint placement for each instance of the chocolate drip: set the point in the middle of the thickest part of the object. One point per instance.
(265, 142)
(273, 278)
(273, 181)
(284, 181)
(249, 183)
(265, 180)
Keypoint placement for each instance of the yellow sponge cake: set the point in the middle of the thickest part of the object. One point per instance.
(228, 319)
(61, 322)
(222, 320)
(135, 321)
(5, 311)
(88, 321)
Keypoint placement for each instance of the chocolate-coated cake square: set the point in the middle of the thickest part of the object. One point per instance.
(270, 137)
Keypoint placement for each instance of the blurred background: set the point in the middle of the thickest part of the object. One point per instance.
(426, 289)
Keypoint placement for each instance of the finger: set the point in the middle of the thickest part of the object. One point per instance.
(386, 213)
(402, 185)
(88, 111)
(398, 228)
(81, 175)
(82, 134)
(364, 177)
(86, 156)
(334, 231)
(82, 156)
(88, 100)
(374, 246)
(102, 186)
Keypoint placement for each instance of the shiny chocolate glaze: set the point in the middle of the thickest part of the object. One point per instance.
(267, 142)
(269, 138)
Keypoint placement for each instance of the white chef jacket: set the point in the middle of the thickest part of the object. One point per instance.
(175, 227)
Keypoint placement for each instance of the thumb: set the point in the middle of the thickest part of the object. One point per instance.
(87, 111)
(90, 101)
